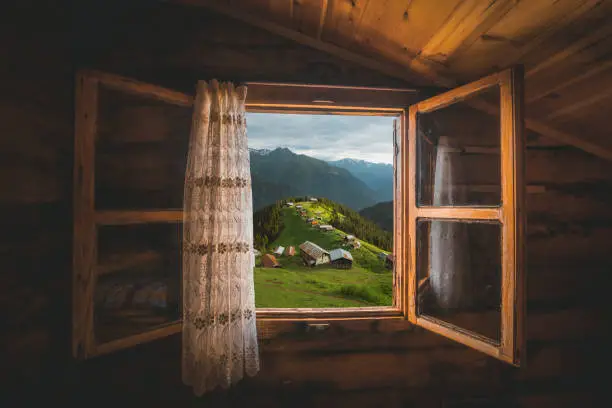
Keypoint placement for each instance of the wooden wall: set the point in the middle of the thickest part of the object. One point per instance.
(389, 364)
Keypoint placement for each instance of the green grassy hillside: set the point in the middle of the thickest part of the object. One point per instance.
(367, 283)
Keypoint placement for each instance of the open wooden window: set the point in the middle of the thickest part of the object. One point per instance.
(465, 239)
(129, 166)
(278, 98)
(130, 147)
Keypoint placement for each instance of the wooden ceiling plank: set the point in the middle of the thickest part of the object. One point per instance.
(522, 32)
(342, 20)
(596, 69)
(469, 21)
(583, 42)
(551, 30)
(307, 15)
(281, 9)
(581, 104)
(393, 70)
(325, 5)
(580, 97)
(390, 69)
(569, 139)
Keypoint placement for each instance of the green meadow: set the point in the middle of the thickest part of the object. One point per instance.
(367, 283)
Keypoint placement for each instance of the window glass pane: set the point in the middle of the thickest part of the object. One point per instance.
(459, 274)
(458, 155)
(322, 209)
(139, 278)
(141, 151)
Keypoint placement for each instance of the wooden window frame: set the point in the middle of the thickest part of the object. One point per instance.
(267, 97)
(86, 219)
(510, 214)
(317, 99)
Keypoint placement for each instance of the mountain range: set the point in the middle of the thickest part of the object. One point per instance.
(377, 176)
(281, 173)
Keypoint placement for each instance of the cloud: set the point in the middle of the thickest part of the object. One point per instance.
(326, 137)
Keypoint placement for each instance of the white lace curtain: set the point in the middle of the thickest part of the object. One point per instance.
(449, 256)
(219, 334)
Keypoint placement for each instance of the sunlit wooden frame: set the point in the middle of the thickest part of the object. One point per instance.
(263, 97)
(510, 215)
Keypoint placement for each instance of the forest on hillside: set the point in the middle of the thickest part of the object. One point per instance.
(381, 214)
(353, 223)
(268, 224)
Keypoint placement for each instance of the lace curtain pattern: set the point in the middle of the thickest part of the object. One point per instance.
(449, 250)
(219, 333)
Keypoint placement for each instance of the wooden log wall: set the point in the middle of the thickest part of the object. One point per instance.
(362, 365)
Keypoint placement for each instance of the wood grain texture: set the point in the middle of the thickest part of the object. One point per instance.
(84, 244)
(371, 63)
(409, 242)
(137, 217)
(469, 20)
(458, 213)
(510, 215)
(135, 339)
(513, 220)
(133, 86)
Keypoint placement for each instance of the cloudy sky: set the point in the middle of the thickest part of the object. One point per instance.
(326, 137)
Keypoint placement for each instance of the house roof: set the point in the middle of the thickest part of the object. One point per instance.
(567, 87)
(312, 249)
(269, 261)
(340, 253)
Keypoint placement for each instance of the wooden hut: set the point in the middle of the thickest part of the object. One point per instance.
(291, 251)
(312, 254)
(269, 261)
(341, 259)
(93, 172)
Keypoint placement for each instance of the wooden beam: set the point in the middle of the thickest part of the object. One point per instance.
(467, 23)
(418, 73)
(583, 42)
(596, 69)
(138, 217)
(85, 235)
(141, 88)
(325, 6)
(568, 138)
(581, 104)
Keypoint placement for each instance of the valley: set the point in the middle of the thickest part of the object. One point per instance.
(368, 281)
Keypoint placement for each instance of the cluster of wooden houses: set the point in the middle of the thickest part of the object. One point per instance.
(312, 255)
